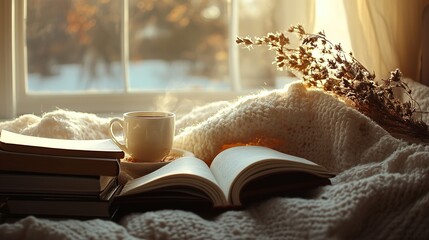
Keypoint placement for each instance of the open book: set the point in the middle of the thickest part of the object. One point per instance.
(235, 176)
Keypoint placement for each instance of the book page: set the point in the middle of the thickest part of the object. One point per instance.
(243, 160)
(185, 171)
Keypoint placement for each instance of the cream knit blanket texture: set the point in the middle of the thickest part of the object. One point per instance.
(381, 190)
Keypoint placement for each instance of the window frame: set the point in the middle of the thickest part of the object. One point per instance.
(17, 101)
(7, 83)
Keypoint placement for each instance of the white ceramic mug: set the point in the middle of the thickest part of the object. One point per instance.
(148, 136)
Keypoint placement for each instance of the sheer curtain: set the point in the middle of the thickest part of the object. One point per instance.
(387, 34)
(291, 12)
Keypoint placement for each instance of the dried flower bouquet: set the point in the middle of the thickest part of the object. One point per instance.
(324, 65)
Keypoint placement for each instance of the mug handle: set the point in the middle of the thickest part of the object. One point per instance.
(112, 135)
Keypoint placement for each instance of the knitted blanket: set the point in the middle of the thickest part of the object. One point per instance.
(381, 190)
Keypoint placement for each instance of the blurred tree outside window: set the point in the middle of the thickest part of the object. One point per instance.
(80, 45)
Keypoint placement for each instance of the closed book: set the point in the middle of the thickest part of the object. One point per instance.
(14, 182)
(37, 163)
(60, 205)
(21, 153)
(101, 148)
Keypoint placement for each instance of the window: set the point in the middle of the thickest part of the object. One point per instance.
(126, 46)
(107, 56)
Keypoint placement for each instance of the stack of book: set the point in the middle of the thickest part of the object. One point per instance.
(57, 177)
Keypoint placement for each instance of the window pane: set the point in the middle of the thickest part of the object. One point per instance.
(74, 45)
(178, 44)
(257, 18)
